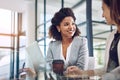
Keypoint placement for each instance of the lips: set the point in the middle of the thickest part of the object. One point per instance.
(71, 32)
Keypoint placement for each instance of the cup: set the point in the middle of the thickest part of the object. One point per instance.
(58, 66)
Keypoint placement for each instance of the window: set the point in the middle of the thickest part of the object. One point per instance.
(10, 27)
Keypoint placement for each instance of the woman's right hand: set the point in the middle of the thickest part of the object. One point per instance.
(28, 71)
(77, 71)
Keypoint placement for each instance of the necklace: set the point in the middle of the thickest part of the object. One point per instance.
(114, 43)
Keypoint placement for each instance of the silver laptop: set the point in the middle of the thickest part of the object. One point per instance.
(35, 55)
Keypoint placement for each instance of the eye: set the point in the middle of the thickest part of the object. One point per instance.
(73, 23)
(66, 24)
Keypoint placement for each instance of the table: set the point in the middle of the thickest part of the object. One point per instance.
(45, 73)
(52, 76)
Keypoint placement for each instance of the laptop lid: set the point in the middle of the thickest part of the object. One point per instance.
(35, 55)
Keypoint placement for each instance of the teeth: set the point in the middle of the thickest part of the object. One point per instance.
(69, 31)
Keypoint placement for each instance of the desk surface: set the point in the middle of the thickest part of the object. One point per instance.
(53, 76)
(48, 74)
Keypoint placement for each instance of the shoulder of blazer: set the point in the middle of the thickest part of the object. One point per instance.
(54, 43)
(79, 38)
(78, 41)
(111, 35)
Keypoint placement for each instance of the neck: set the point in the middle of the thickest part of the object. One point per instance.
(67, 40)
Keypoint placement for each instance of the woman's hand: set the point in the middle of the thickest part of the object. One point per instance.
(28, 71)
(73, 70)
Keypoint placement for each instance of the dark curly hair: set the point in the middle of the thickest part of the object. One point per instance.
(57, 19)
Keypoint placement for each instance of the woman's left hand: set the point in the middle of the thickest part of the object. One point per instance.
(73, 70)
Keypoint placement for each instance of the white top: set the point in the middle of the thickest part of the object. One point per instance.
(66, 61)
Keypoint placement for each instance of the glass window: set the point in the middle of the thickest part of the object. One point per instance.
(8, 41)
(5, 21)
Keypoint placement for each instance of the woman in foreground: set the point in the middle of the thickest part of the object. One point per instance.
(111, 12)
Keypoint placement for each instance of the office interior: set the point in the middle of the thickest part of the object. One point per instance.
(26, 21)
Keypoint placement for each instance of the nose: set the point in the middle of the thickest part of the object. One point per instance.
(70, 26)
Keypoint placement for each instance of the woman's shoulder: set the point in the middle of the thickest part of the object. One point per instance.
(80, 38)
(111, 35)
(54, 42)
(114, 31)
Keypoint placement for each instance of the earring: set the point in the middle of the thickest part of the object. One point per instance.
(58, 30)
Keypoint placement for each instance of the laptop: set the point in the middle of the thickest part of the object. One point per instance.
(34, 55)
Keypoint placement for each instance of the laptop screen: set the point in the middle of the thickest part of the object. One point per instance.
(34, 54)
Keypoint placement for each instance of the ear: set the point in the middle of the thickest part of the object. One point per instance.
(58, 28)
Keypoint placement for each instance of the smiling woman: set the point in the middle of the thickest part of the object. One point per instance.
(68, 45)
